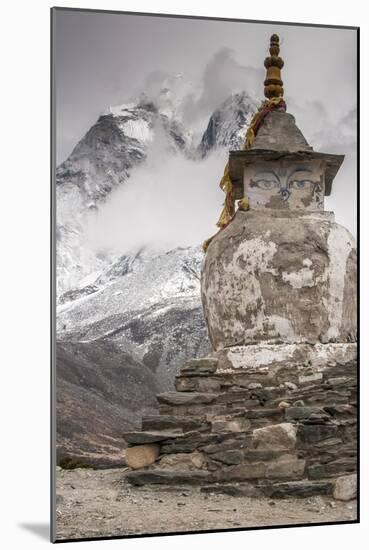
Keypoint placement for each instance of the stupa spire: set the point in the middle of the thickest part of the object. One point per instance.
(273, 91)
(273, 85)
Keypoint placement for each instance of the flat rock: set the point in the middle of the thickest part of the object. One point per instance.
(228, 457)
(138, 438)
(167, 422)
(200, 367)
(303, 488)
(189, 442)
(311, 377)
(306, 413)
(185, 398)
(230, 444)
(264, 413)
(345, 487)
(344, 465)
(308, 435)
(143, 477)
(197, 383)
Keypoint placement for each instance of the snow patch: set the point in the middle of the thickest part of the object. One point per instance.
(137, 129)
(120, 110)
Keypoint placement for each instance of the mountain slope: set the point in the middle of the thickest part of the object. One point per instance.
(148, 305)
(127, 320)
(101, 392)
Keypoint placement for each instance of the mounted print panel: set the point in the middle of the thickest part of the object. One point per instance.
(204, 372)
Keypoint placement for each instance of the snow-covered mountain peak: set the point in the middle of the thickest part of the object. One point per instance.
(120, 110)
(137, 132)
(228, 124)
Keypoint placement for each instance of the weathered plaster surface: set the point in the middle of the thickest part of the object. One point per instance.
(280, 276)
(303, 277)
(264, 356)
(340, 244)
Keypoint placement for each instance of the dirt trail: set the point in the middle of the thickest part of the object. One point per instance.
(98, 503)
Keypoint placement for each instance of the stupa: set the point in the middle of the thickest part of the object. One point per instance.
(272, 409)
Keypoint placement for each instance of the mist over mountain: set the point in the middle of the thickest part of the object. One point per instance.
(135, 199)
(139, 167)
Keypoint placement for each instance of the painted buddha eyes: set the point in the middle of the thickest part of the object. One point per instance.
(266, 184)
(269, 184)
(299, 184)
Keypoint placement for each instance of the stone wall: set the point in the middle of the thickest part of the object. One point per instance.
(259, 419)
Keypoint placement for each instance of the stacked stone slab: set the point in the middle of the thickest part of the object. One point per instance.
(258, 420)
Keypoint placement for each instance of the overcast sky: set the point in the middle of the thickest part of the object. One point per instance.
(105, 59)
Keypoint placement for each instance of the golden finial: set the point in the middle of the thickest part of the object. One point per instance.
(273, 85)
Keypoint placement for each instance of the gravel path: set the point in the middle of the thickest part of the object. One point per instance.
(100, 503)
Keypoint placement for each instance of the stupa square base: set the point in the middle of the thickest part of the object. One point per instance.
(280, 418)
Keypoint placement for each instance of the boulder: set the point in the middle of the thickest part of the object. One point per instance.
(345, 487)
(275, 437)
(142, 455)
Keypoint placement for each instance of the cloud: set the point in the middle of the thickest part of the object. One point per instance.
(153, 83)
(331, 132)
(223, 75)
(169, 201)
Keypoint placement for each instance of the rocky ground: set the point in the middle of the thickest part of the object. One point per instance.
(100, 503)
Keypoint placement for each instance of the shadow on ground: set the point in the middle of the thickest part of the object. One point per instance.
(42, 530)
